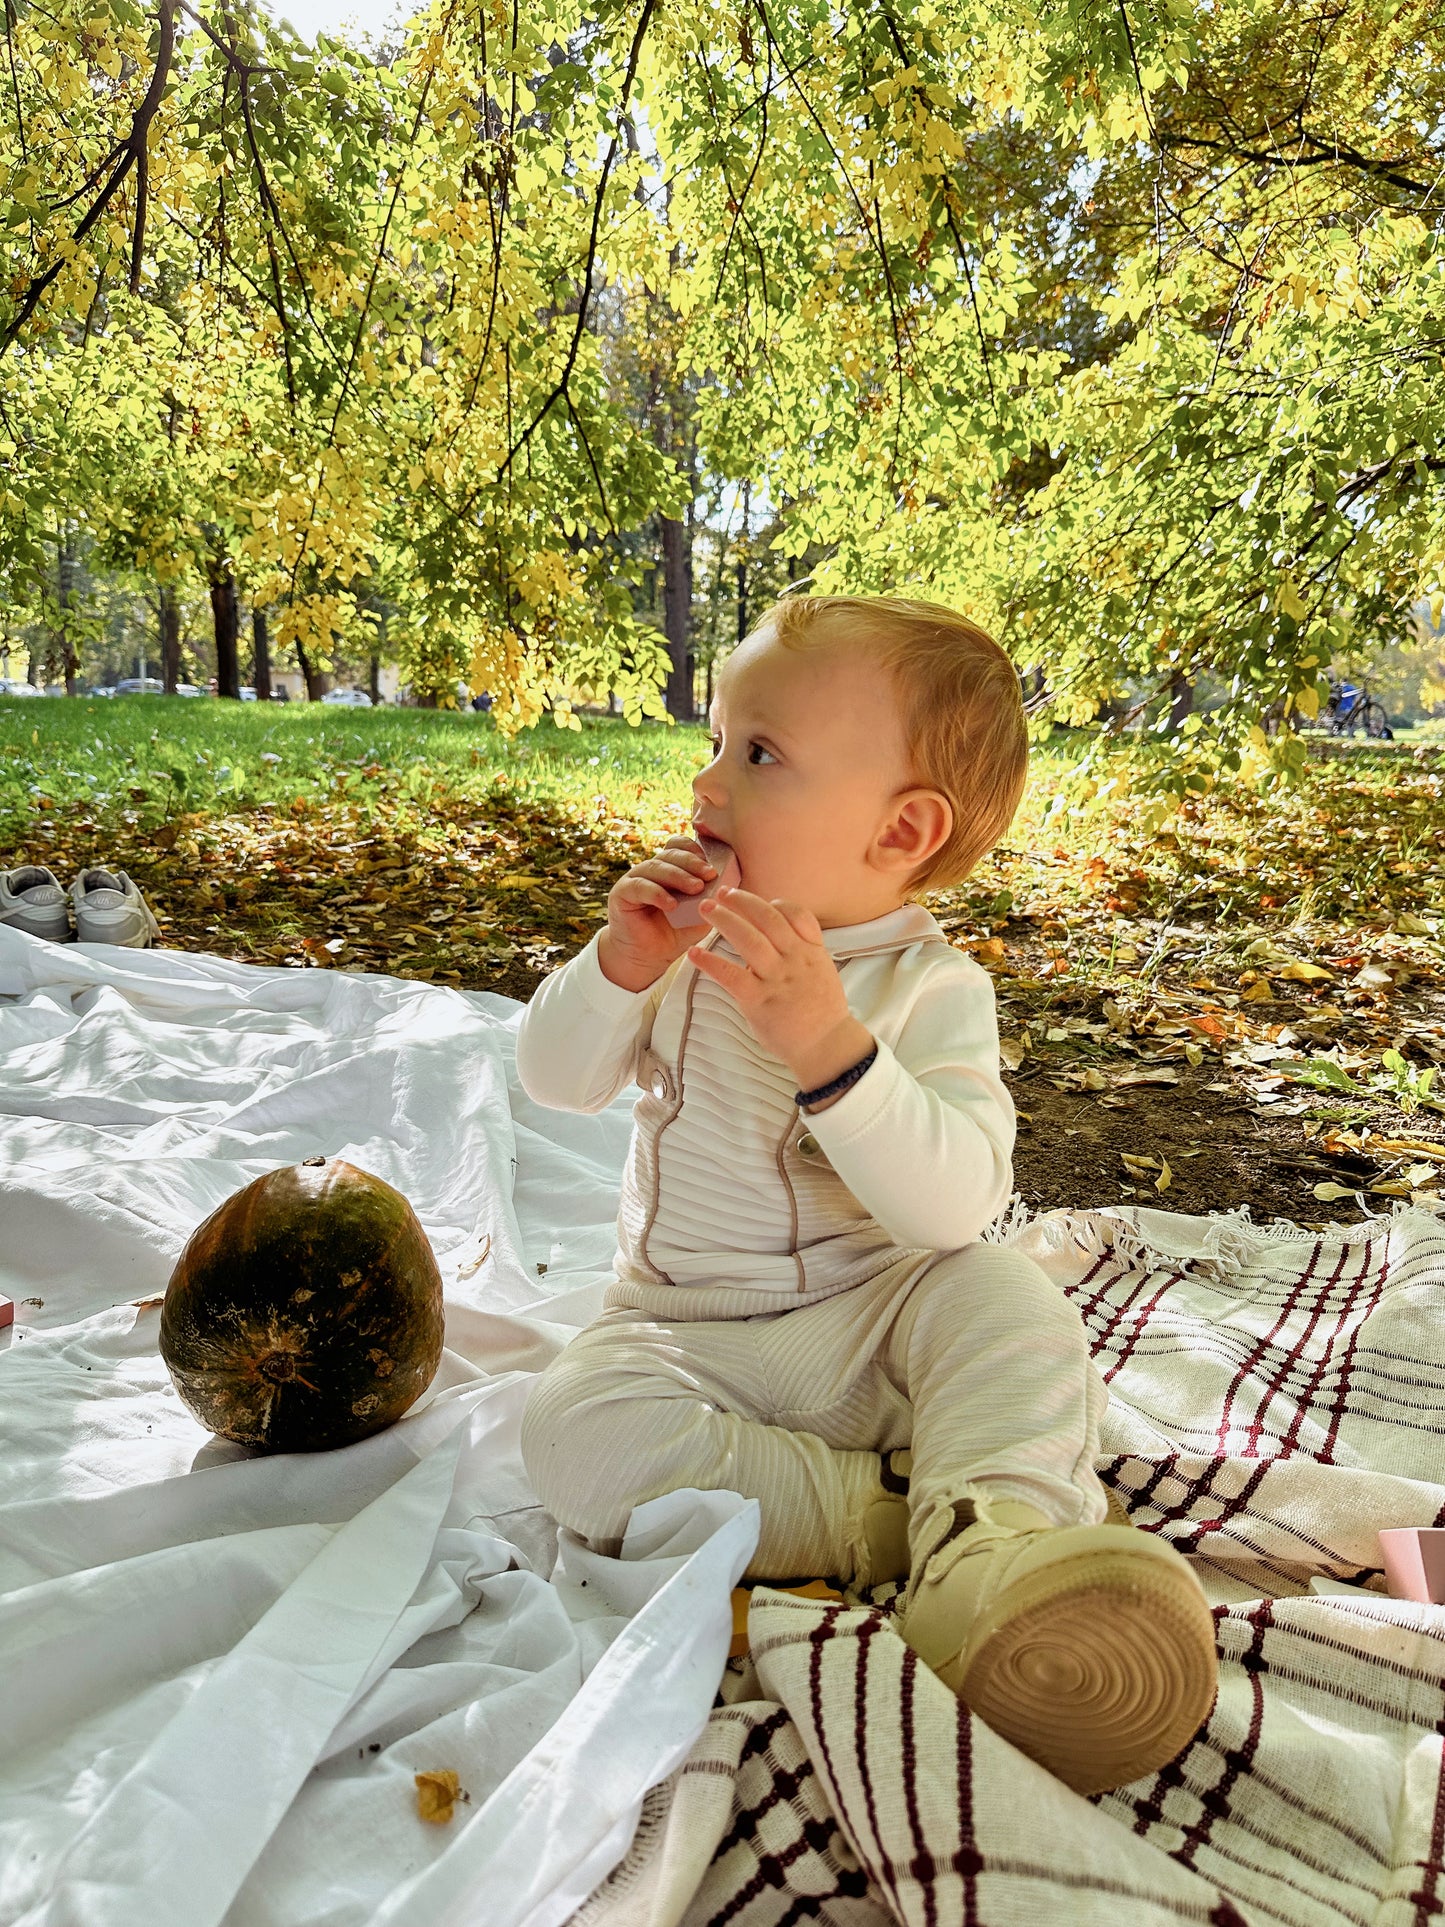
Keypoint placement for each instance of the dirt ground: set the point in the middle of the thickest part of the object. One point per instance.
(1188, 1050)
(1222, 1146)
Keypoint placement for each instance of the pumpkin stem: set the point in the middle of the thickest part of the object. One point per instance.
(277, 1366)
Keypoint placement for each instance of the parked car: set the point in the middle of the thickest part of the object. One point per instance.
(189, 689)
(8, 687)
(352, 698)
(248, 694)
(140, 686)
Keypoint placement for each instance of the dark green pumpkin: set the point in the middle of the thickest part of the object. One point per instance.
(306, 1312)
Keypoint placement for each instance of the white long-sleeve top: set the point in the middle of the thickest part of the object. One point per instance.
(735, 1201)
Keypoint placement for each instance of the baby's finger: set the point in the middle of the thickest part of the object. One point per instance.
(734, 978)
(641, 893)
(686, 860)
(741, 932)
(676, 878)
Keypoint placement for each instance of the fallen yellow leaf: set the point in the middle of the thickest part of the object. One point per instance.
(437, 1795)
(1305, 973)
(1327, 1192)
(1165, 1177)
(1259, 993)
(1421, 1146)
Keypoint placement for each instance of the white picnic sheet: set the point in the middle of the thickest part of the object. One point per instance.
(219, 1673)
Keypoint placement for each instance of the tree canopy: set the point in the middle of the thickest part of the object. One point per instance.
(1115, 326)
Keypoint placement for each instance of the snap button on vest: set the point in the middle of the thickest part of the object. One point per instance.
(807, 1145)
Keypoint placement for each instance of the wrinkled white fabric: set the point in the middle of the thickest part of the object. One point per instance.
(220, 1672)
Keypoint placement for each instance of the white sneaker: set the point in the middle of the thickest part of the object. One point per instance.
(110, 909)
(32, 900)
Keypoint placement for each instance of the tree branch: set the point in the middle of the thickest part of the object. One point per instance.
(130, 154)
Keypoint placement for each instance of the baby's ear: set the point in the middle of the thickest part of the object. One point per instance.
(923, 824)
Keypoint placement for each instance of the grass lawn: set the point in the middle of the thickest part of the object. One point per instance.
(1150, 985)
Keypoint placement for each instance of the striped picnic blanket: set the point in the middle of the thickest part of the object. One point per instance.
(1277, 1396)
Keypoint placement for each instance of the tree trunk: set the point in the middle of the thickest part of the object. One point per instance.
(168, 611)
(69, 657)
(226, 618)
(260, 656)
(1181, 699)
(743, 562)
(373, 688)
(315, 680)
(677, 617)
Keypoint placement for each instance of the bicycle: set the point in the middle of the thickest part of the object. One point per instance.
(1348, 710)
(1351, 709)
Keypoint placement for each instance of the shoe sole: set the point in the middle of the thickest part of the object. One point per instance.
(144, 942)
(57, 931)
(1100, 1666)
(94, 927)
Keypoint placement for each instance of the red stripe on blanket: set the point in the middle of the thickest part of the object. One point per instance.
(1428, 1904)
(866, 1632)
(1295, 1355)
(1327, 1456)
(1078, 1291)
(1258, 1349)
(922, 1865)
(1237, 1762)
(1097, 1346)
(968, 1860)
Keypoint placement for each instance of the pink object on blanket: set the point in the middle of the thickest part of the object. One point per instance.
(722, 859)
(1415, 1562)
(7, 1311)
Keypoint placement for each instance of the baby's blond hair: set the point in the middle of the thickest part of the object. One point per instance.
(960, 702)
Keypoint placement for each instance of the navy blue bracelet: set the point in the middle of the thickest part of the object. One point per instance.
(805, 1098)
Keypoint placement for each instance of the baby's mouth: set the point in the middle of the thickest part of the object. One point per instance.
(722, 856)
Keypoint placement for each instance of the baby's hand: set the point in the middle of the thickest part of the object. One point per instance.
(643, 938)
(787, 984)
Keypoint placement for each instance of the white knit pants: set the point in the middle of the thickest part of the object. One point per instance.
(971, 1357)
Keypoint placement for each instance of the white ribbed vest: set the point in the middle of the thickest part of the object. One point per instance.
(724, 1184)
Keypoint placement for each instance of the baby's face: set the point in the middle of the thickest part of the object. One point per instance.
(808, 770)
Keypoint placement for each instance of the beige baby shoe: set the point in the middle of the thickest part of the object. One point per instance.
(1090, 1648)
(885, 1552)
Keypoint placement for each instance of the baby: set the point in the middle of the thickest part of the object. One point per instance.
(801, 1310)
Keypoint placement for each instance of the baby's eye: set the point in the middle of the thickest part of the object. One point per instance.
(767, 752)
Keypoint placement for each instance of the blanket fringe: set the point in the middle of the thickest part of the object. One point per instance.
(1230, 1239)
(608, 1904)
